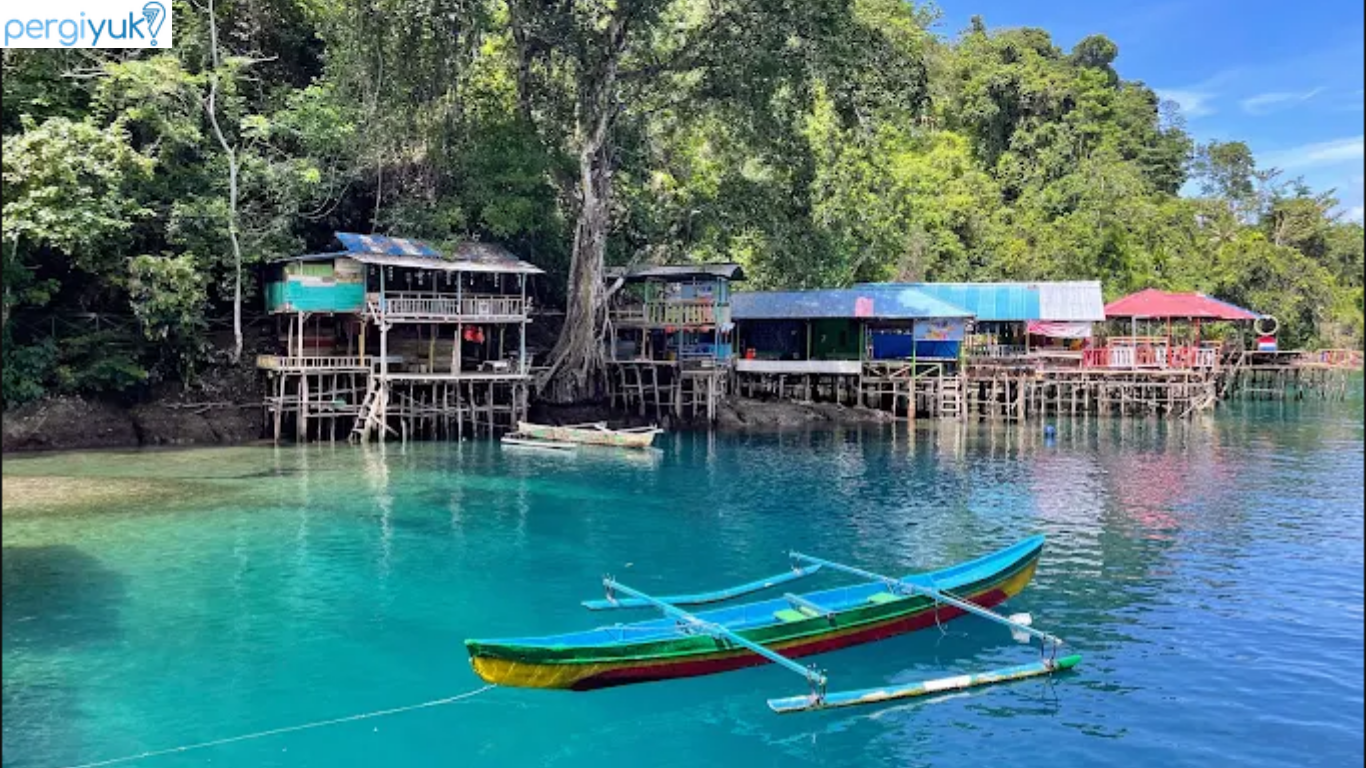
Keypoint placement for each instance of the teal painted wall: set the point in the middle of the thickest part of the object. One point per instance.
(294, 296)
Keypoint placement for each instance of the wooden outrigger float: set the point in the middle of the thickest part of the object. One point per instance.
(518, 441)
(594, 433)
(686, 644)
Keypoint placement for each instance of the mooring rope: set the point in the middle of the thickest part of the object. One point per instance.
(289, 729)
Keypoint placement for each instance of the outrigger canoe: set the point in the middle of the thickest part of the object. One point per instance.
(595, 433)
(684, 644)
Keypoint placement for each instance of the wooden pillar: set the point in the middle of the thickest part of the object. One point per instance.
(382, 401)
(431, 348)
(302, 423)
(678, 393)
(640, 387)
(279, 403)
(521, 342)
(289, 339)
(654, 382)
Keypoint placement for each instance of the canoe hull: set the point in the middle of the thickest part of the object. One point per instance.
(580, 436)
(564, 672)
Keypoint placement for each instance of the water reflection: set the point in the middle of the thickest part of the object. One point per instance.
(340, 574)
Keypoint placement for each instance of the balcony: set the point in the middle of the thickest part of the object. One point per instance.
(312, 363)
(446, 308)
(677, 313)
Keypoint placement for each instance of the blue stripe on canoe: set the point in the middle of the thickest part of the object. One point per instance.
(752, 615)
(702, 598)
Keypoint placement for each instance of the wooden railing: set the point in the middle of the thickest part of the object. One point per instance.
(996, 350)
(1338, 358)
(1145, 356)
(672, 313)
(311, 363)
(448, 306)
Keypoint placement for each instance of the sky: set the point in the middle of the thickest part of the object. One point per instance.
(1286, 78)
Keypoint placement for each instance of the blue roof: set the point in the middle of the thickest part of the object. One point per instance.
(990, 302)
(1078, 300)
(390, 246)
(467, 256)
(885, 302)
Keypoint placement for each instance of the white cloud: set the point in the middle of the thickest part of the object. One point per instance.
(1346, 150)
(1264, 103)
(1193, 103)
(1356, 213)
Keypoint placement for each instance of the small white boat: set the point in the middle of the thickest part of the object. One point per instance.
(595, 433)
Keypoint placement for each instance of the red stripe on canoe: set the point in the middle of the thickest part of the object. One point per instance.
(823, 644)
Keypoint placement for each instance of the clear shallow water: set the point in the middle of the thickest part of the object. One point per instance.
(1210, 573)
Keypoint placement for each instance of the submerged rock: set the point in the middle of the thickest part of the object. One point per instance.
(739, 413)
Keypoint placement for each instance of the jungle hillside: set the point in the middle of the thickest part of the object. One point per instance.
(817, 142)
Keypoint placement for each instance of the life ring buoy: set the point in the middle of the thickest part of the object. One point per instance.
(1261, 331)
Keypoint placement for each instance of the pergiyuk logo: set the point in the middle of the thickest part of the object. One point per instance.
(87, 24)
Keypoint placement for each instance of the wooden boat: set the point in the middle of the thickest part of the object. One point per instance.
(519, 441)
(684, 644)
(595, 433)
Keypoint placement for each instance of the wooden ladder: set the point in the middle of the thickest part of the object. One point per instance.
(361, 430)
(1232, 374)
(951, 397)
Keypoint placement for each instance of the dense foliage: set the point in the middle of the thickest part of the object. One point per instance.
(819, 142)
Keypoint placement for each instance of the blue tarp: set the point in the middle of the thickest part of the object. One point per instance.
(947, 349)
(892, 346)
(897, 346)
(872, 302)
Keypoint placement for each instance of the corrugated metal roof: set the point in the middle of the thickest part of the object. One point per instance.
(1161, 304)
(467, 256)
(878, 302)
(1019, 302)
(514, 266)
(728, 271)
(393, 246)
(1071, 302)
(989, 301)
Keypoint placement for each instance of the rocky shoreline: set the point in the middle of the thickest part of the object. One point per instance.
(74, 423)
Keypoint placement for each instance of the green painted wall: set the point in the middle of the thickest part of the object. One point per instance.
(834, 339)
(294, 296)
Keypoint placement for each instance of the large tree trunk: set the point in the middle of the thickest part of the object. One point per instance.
(577, 361)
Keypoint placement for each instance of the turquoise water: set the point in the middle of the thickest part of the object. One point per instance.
(1211, 574)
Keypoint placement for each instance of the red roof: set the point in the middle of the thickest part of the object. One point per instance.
(1161, 305)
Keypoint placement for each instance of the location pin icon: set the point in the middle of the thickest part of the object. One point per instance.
(156, 16)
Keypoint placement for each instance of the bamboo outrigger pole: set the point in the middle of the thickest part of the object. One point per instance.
(818, 698)
(702, 598)
(812, 676)
(907, 587)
